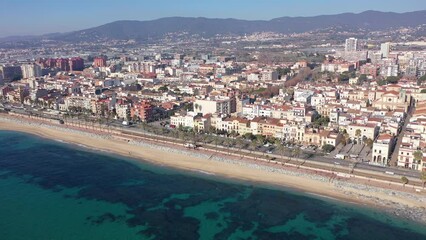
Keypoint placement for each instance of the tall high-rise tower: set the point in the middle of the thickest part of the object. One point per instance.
(385, 49)
(351, 45)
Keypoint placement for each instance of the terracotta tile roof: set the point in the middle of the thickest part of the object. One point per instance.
(384, 136)
(392, 93)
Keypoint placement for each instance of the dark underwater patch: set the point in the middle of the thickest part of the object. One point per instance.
(148, 196)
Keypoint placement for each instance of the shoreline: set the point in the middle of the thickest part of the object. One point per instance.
(395, 202)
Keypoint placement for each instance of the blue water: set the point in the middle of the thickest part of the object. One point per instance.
(50, 190)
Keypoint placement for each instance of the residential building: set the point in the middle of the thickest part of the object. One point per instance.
(382, 149)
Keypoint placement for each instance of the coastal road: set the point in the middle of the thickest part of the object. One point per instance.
(371, 174)
(320, 162)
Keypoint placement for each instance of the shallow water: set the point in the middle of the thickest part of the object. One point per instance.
(50, 190)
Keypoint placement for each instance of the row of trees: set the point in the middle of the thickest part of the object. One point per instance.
(405, 180)
(248, 141)
(389, 80)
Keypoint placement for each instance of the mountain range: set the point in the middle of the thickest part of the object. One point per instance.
(208, 27)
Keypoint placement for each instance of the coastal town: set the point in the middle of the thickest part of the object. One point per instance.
(213, 120)
(363, 106)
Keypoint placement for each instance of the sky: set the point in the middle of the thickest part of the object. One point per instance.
(36, 17)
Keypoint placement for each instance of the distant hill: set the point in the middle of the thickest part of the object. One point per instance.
(143, 30)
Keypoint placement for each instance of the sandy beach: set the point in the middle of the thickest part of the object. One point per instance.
(402, 203)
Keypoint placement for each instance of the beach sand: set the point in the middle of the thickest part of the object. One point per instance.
(218, 168)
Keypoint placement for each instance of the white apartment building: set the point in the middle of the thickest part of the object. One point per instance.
(222, 105)
(385, 49)
(368, 131)
(317, 99)
(30, 71)
(382, 149)
(184, 120)
(351, 45)
(269, 75)
(77, 101)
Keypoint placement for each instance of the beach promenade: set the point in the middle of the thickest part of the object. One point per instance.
(408, 201)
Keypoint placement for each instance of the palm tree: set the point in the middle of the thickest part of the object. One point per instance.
(64, 117)
(216, 141)
(228, 143)
(193, 138)
(423, 177)
(240, 145)
(281, 149)
(181, 135)
(204, 138)
(296, 153)
(253, 147)
(260, 140)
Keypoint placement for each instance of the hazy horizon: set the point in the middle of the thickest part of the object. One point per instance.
(47, 16)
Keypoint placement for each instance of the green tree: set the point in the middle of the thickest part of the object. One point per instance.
(421, 80)
(362, 78)
(163, 88)
(321, 121)
(358, 133)
(283, 71)
(418, 156)
(327, 148)
(423, 91)
(369, 142)
(260, 140)
(404, 180)
(392, 79)
(249, 136)
(381, 82)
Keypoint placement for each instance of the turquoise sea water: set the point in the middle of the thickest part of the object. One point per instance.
(50, 190)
